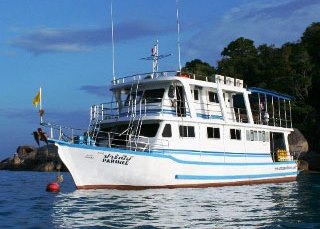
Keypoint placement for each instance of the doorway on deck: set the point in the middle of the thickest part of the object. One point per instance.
(277, 142)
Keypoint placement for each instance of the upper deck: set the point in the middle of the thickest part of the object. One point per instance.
(217, 98)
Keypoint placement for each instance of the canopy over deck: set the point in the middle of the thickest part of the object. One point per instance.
(270, 93)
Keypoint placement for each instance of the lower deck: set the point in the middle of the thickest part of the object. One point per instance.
(218, 139)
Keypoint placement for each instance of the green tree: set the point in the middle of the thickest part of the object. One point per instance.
(311, 41)
(198, 67)
(239, 60)
(269, 61)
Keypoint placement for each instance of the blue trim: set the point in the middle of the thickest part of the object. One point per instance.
(210, 153)
(170, 151)
(205, 116)
(234, 177)
(271, 93)
(152, 111)
(167, 156)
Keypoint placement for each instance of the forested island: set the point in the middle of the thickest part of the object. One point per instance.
(293, 69)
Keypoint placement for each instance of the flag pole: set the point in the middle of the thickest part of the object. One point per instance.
(40, 100)
(40, 108)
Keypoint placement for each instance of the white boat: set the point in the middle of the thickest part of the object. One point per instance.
(172, 130)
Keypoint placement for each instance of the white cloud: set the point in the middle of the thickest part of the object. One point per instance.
(47, 40)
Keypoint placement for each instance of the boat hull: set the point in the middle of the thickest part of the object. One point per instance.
(111, 168)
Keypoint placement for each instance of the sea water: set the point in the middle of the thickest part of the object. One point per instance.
(24, 203)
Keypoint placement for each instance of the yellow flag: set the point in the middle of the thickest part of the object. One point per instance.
(36, 99)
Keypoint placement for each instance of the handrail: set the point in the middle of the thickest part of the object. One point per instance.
(136, 77)
(65, 133)
(129, 141)
(107, 139)
(105, 111)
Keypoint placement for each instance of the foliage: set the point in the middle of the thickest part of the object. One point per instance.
(199, 68)
(293, 68)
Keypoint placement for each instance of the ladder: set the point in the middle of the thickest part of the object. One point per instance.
(94, 125)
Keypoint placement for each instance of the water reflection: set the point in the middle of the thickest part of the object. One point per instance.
(286, 205)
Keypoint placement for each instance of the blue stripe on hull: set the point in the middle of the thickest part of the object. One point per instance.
(210, 153)
(167, 151)
(167, 154)
(234, 177)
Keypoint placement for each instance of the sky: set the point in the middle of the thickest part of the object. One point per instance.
(64, 47)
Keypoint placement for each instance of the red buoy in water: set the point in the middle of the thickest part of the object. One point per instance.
(53, 187)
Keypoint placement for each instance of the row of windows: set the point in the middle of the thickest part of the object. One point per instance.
(214, 133)
(254, 135)
(155, 96)
(148, 96)
(150, 130)
(213, 96)
(188, 132)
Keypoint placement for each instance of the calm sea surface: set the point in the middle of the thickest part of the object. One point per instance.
(24, 203)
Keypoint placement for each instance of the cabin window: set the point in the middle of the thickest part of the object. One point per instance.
(153, 96)
(134, 96)
(167, 131)
(213, 132)
(260, 135)
(196, 94)
(171, 92)
(186, 131)
(235, 134)
(265, 136)
(213, 97)
(149, 129)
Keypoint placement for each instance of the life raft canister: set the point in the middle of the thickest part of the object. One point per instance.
(184, 75)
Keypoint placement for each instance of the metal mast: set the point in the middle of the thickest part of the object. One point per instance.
(155, 57)
(112, 40)
(178, 36)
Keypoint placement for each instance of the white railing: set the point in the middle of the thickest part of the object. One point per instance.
(104, 139)
(130, 141)
(111, 110)
(138, 77)
(64, 133)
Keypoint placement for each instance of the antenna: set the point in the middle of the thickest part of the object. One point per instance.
(155, 57)
(112, 38)
(178, 38)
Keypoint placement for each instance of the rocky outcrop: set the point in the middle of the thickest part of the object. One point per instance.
(299, 148)
(298, 144)
(27, 157)
(312, 159)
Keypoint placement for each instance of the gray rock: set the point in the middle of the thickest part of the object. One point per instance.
(44, 158)
(303, 165)
(298, 145)
(313, 160)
